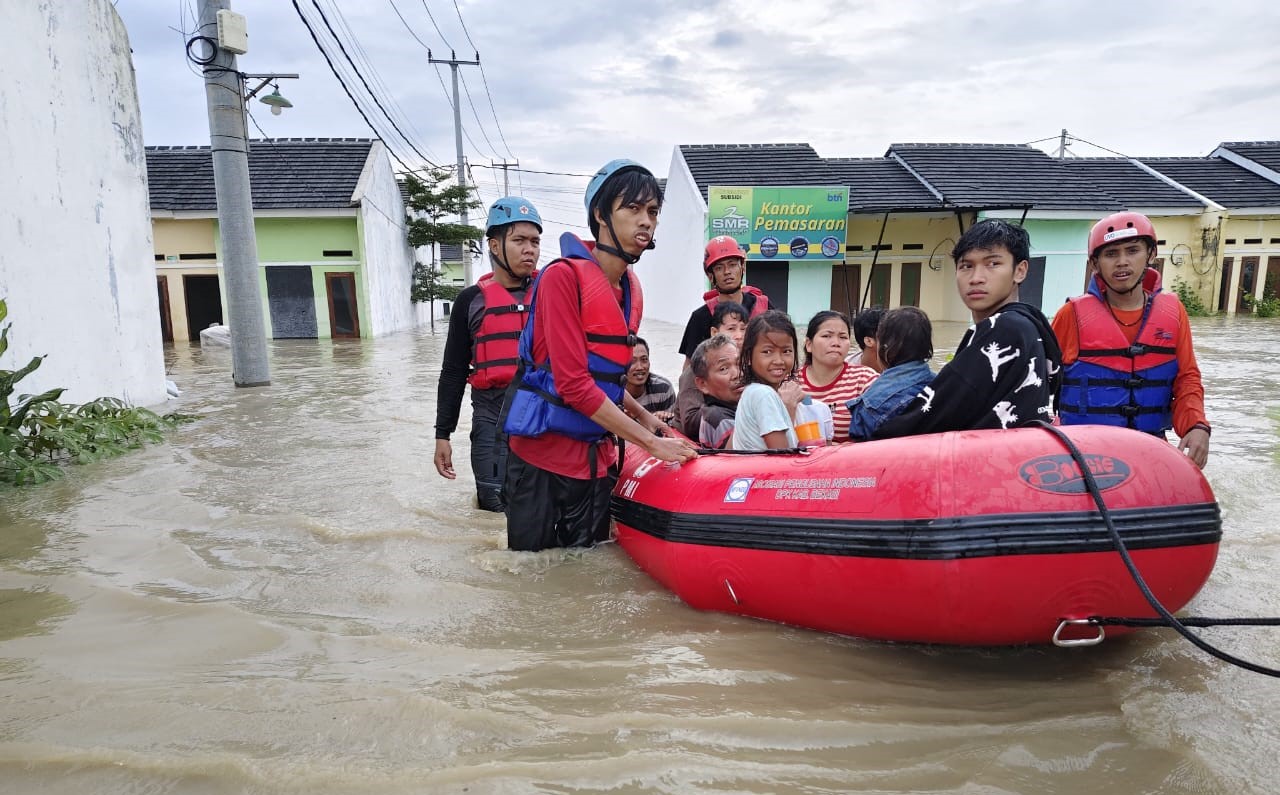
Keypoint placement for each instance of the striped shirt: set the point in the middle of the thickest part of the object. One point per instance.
(658, 394)
(851, 382)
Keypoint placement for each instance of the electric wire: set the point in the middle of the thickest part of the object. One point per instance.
(372, 94)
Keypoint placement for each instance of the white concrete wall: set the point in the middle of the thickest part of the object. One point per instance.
(76, 264)
(671, 274)
(388, 257)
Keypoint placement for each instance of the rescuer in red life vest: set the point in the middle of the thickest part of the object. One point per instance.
(481, 350)
(567, 406)
(1126, 345)
(725, 264)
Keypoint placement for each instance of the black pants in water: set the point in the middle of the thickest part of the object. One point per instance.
(547, 510)
(488, 448)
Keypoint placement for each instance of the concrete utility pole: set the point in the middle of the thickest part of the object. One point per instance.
(506, 178)
(454, 63)
(1062, 145)
(229, 138)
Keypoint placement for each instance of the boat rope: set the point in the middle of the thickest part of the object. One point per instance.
(1187, 621)
(1166, 618)
(773, 451)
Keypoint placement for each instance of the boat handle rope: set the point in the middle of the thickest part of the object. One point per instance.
(1166, 619)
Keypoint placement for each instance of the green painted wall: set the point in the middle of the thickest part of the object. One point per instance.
(808, 290)
(1062, 243)
(304, 240)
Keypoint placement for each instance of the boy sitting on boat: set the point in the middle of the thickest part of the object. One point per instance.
(905, 344)
(1007, 370)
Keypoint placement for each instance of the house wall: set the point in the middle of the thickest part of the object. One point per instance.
(174, 237)
(76, 266)
(935, 233)
(1239, 229)
(387, 257)
(672, 274)
(1063, 244)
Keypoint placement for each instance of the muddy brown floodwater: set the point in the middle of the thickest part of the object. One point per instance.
(285, 598)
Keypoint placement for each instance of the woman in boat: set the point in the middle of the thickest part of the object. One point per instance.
(905, 340)
(767, 409)
(826, 376)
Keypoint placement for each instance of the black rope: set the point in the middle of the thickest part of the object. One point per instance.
(771, 451)
(1169, 619)
(1188, 621)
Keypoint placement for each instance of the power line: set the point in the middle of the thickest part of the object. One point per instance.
(485, 79)
(363, 82)
(439, 32)
(376, 77)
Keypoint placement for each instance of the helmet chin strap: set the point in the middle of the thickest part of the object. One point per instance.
(501, 262)
(1135, 286)
(630, 259)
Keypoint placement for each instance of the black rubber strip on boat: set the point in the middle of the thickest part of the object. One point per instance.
(932, 539)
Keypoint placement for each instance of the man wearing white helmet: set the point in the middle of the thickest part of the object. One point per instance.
(568, 404)
(482, 347)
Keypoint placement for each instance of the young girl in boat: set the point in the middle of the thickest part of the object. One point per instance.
(905, 340)
(767, 409)
(826, 376)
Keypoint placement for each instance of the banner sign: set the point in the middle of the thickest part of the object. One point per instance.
(788, 223)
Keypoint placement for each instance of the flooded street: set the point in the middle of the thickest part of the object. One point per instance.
(286, 598)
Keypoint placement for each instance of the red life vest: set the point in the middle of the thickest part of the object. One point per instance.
(712, 297)
(497, 342)
(1114, 382)
(537, 408)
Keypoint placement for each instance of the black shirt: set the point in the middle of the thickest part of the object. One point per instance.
(699, 326)
(1006, 373)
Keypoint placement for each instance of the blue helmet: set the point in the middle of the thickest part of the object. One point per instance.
(606, 171)
(510, 210)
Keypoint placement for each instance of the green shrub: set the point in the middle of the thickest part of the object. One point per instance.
(38, 433)
(1190, 299)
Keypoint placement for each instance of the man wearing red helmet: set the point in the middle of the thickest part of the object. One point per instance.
(1126, 345)
(725, 264)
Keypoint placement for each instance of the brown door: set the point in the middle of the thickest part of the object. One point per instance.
(1248, 281)
(344, 315)
(846, 285)
(166, 320)
(1271, 284)
(909, 284)
(1225, 287)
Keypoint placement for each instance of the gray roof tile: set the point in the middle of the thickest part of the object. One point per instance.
(284, 173)
(1264, 153)
(977, 176)
(875, 184)
(1133, 186)
(1220, 180)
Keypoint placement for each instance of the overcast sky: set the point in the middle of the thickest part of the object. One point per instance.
(578, 82)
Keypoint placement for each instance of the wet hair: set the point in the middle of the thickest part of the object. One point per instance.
(633, 184)
(991, 233)
(727, 308)
(816, 322)
(905, 335)
(865, 324)
(760, 325)
(698, 361)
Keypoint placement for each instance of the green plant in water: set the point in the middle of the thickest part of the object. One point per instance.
(1190, 299)
(38, 433)
(1269, 306)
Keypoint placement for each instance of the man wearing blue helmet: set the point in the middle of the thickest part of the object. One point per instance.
(482, 347)
(568, 405)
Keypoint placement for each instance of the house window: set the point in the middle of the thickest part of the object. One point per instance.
(337, 252)
(909, 284)
(1253, 241)
(913, 246)
(185, 257)
(1231, 241)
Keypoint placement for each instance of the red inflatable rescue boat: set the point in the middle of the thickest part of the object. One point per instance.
(971, 537)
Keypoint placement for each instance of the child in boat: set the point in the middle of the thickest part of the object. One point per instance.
(826, 376)
(1007, 370)
(714, 365)
(730, 319)
(905, 343)
(766, 411)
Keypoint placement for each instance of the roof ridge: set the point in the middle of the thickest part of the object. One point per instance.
(959, 144)
(749, 146)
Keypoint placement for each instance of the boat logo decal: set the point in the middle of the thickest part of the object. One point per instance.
(738, 490)
(1059, 473)
(643, 469)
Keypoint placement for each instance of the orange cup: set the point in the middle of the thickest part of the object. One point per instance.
(810, 434)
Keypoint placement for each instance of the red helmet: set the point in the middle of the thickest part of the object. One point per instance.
(719, 248)
(1121, 226)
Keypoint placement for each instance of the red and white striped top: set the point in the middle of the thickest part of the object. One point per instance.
(851, 383)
